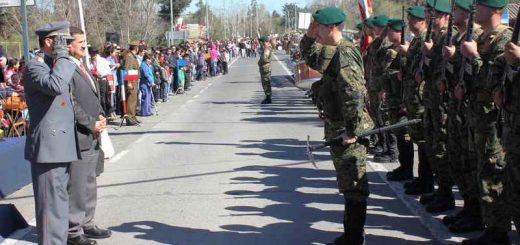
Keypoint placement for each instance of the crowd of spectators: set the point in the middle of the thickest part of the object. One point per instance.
(163, 72)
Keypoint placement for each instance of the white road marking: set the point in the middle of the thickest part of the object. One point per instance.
(189, 101)
(283, 65)
(196, 96)
(118, 156)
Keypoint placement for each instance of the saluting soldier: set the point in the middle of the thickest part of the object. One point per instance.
(51, 143)
(413, 99)
(482, 118)
(435, 114)
(344, 94)
(462, 161)
(264, 63)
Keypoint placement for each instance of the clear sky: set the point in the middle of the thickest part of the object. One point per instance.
(271, 4)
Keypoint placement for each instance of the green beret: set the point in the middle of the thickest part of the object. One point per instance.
(329, 16)
(417, 12)
(369, 22)
(359, 26)
(396, 24)
(464, 4)
(442, 6)
(263, 39)
(496, 4)
(380, 20)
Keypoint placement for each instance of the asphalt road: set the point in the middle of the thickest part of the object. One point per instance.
(216, 167)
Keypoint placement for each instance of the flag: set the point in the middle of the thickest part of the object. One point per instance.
(365, 11)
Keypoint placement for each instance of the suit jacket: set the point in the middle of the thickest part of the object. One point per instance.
(52, 135)
(87, 107)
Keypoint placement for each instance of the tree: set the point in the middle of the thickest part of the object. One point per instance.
(178, 7)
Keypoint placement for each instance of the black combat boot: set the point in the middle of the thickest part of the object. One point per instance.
(427, 198)
(267, 100)
(441, 203)
(399, 174)
(452, 218)
(385, 158)
(418, 188)
(491, 236)
(471, 220)
(353, 224)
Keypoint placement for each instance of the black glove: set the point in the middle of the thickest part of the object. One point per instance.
(59, 48)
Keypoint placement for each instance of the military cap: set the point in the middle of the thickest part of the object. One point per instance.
(359, 26)
(396, 24)
(380, 20)
(416, 11)
(369, 22)
(263, 39)
(133, 43)
(442, 6)
(329, 16)
(57, 28)
(497, 4)
(464, 4)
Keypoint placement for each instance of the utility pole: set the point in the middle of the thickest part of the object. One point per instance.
(207, 22)
(171, 22)
(23, 12)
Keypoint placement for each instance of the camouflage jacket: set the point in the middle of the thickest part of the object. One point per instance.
(391, 85)
(487, 74)
(413, 90)
(343, 90)
(455, 64)
(433, 70)
(265, 59)
(375, 55)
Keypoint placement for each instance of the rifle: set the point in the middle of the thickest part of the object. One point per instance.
(448, 42)
(429, 35)
(339, 140)
(504, 82)
(469, 36)
(402, 65)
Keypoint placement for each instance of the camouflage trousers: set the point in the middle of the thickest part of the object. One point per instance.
(350, 164)
(490, 174)
(511, 145)
(266, 81)
(435, 135)
(462, 161)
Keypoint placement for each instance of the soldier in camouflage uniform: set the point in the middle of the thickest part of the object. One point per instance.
(343, 92)
(462, 161)
(387, 142)
(435, 113)
(482, 116)
(264, 64)
(511, 134)
(392, 93)
(413, 99)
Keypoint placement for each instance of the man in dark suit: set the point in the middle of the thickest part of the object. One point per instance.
(51, 142)
(89, 124)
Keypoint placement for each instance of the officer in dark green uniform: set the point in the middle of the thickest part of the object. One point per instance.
(343, 92)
